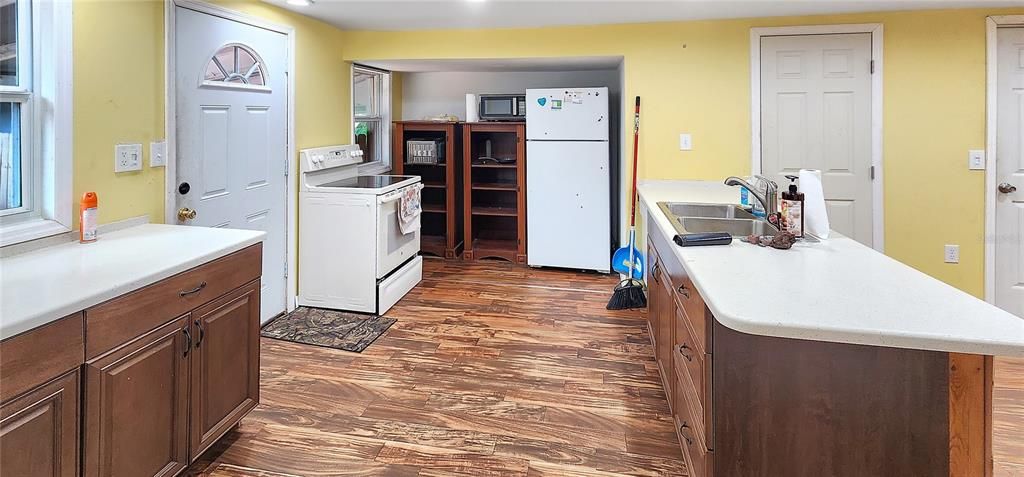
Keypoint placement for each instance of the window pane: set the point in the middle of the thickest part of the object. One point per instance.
(10, 155)
(9, 44)
(368, 139)
(364, 93)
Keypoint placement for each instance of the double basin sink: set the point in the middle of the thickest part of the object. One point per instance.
(693, 218)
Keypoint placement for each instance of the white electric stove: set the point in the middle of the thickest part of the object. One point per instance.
(352, 253)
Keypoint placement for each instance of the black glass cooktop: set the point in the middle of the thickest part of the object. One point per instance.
(368, 182)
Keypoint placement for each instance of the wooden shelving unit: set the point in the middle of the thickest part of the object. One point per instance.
(441, 231)
(494, 213)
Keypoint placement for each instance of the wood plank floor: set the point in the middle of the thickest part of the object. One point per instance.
(491, 370)
(1008, 417)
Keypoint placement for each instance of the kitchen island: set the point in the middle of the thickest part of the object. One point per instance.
(826, 359)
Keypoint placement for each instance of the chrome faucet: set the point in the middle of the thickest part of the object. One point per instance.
(768, 199)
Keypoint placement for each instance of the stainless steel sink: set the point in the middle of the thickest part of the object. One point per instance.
(735, 227)
(722, 211)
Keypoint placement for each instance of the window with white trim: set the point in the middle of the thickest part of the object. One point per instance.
(35, 119)
(371, 114)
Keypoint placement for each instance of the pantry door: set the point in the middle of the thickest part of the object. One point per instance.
(231, 92)
(816, 114)
(1009, 209)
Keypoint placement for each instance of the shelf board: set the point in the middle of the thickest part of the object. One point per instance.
(495, 211)
(494, 248)
(433, 244)
(415, 164)
(434, 208)
(495, 166)
(494, 186)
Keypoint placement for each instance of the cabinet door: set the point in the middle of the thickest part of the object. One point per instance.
(225, 364)
(39, 431)
(136, 406)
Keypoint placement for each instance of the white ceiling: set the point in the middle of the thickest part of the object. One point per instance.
(444, 14)
(583, 63)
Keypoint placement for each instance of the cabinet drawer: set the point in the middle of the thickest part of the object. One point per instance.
(37, 356)
(124, 318)
(688, 363)
(692, 304)
(698, 457)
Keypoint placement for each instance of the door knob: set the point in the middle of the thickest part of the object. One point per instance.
(1007, 188)
(186, 213)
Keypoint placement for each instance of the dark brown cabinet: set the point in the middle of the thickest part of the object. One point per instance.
(155, 402)
(136, 406)
(763, 406)
(224, 364)
(39, 430)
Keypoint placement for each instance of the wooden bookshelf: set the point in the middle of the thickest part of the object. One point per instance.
(442, 196)
(494, 213)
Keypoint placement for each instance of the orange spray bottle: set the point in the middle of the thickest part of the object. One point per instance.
(88, 209)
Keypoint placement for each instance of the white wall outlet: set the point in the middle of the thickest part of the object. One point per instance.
(952, 254)
(685, 142)
(158, 154)
(976, 160)
(127, 157)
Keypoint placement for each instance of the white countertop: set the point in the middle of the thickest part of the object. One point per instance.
(837, 290)
(44, 285)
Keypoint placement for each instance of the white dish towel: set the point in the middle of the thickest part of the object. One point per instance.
(409, 210)
(815, 214)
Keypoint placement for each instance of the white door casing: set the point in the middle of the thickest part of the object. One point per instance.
(231, 138)
(816, 113)
(1009, 165)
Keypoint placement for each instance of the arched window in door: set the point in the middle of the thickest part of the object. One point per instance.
(236, 65)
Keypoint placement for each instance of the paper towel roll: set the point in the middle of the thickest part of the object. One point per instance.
(472, 114)
(815, 214)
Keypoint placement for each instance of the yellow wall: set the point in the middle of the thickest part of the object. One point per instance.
(118, 98)
(695, 77)
(119, 95)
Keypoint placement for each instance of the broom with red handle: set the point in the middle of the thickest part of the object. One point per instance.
(629, 293)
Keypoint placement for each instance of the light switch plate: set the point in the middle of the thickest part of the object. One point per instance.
(685, 142)
(952, 254)
(158, 154)
(127, 157)
(976, 160)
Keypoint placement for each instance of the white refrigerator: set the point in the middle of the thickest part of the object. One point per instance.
(568, 186)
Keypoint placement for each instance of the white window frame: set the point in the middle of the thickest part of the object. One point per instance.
(47, 133)
(382, 165)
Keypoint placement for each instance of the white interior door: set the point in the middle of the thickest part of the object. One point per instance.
(816, 114)
(231, 99)
(1009, 260)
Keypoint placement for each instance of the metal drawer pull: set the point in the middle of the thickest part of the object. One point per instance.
(681, 348)
(193, 291)
(188, 340)
(654, 271)
(202, 333)
(682, 430)
(684, 291)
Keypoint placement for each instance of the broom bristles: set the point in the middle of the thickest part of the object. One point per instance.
(628, 294)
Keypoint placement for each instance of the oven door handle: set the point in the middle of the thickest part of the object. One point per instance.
(395, 195)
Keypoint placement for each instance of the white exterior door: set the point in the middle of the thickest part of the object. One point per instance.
(1009, 260)
(816, 114)
(231, 99)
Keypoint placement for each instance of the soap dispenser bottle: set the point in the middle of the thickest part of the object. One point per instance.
(793, 209)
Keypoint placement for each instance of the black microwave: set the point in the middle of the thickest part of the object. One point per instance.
(502, 107)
